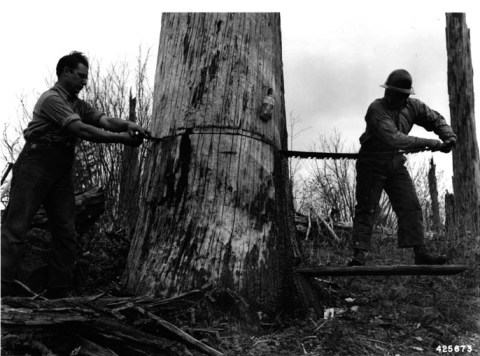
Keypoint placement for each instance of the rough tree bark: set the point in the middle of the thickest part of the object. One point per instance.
(466, 159)
(432, 186)
(217, 207)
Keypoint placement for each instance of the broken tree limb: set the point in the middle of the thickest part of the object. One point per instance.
(149, 302)
(26, 288)
(117, 335)
(327, 226)
(315, 271)
(183, 336)
(90, 348)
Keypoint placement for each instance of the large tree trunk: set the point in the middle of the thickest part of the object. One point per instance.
(217, 207)
(466, 159)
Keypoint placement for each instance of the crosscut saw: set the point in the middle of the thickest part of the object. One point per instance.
(339, 155)
(329, 155)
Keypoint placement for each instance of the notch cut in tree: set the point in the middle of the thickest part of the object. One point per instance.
(466, 159)
(216, 207)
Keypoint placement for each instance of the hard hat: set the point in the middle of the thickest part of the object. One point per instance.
(399, 80)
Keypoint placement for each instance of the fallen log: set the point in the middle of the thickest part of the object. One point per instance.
(315, 271)
(44, 316)
(342, 225)
(98, 329)
(89, 206)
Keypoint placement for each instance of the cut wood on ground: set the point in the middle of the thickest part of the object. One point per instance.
(98, 323)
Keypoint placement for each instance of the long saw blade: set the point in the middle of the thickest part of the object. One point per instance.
(340, 155)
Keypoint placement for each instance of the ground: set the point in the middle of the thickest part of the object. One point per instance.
(397, 315)
(380, 316)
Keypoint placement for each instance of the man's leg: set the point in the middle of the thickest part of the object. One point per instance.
(29, 188)
(403, 197)
(369, 187)
(405, 203)
(60, 207)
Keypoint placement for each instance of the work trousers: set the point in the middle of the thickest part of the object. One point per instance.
(42, 174)
(388, 174)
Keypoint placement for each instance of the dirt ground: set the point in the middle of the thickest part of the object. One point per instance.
(371, 315)
(375, 315)
(379, 315)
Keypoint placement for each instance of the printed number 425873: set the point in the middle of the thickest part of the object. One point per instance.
(454, 348)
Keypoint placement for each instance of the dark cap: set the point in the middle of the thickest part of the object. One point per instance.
(399, 80)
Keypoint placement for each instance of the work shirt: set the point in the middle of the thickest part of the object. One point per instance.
(388, 129)
(54, 111)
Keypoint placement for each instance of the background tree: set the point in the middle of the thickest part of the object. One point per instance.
(295, 164)
(11, 145)
(333, 181)
(216, 203)
(466, 158)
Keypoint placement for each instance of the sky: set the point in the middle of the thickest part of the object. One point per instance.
(335, 53)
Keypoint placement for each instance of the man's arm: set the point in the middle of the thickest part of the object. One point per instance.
(118, 125)
(382, 124)
(95, 134)
(431, 120)
(57, 109)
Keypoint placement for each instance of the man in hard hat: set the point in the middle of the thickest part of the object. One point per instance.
(42, 173)
(388, 122)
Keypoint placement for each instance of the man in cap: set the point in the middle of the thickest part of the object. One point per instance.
(43, 172)
(388, 122)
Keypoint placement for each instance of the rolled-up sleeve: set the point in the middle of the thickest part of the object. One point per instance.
(55, 108)
(89, 114)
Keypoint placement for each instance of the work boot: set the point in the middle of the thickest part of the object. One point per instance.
(422, 257)
(358, 258)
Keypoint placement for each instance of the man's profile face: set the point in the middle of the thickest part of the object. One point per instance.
(76, 78)
(396, 100)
